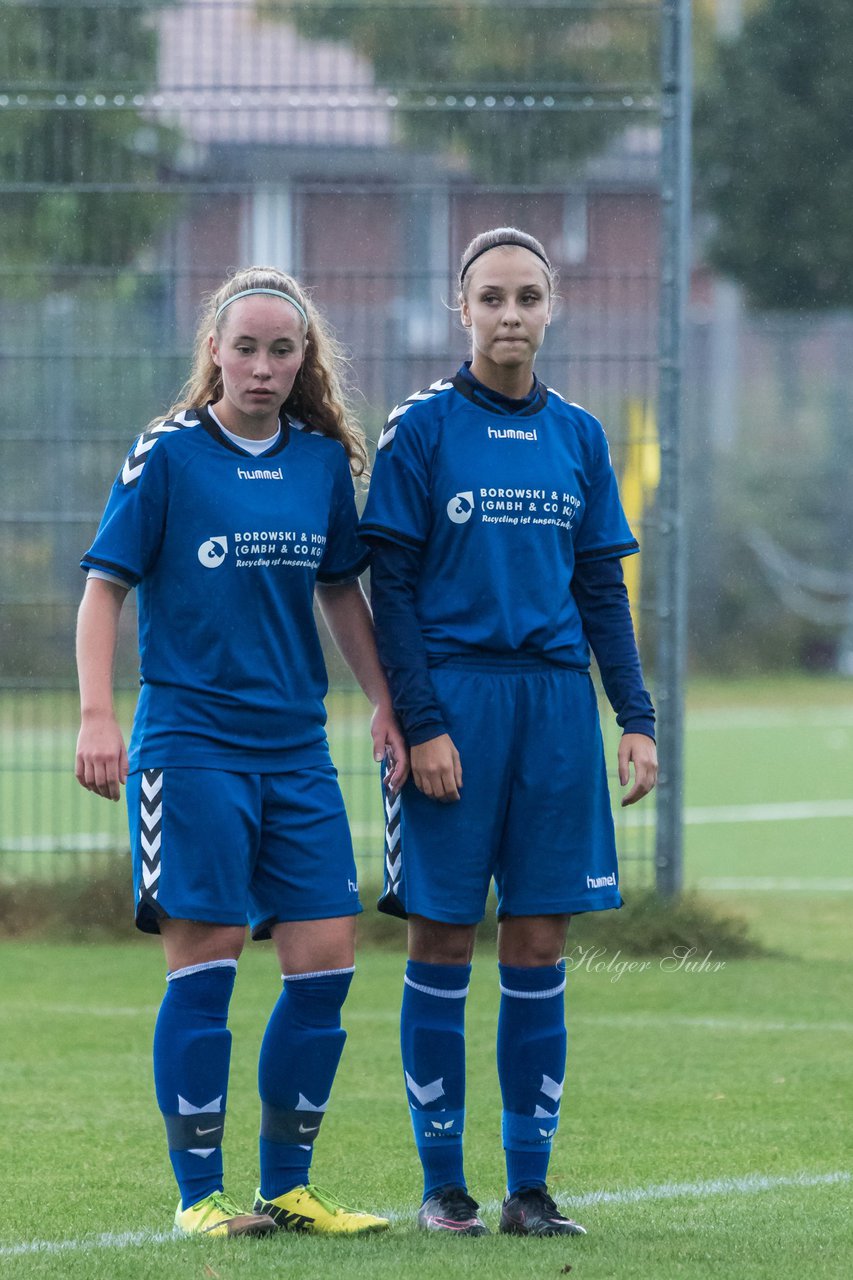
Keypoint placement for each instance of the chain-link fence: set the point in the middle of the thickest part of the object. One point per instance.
(148, 147)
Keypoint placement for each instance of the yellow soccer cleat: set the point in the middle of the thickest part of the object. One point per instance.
(312, 1210)
(218, 1215)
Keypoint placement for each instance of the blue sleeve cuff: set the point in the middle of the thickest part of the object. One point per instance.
(640, 724)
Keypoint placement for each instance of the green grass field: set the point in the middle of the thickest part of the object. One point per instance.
(703, 1129)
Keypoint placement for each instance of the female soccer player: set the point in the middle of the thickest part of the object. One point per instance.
(497, 534)
(231, 515)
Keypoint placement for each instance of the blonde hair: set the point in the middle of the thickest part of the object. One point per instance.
(317, 397)
(510, 237)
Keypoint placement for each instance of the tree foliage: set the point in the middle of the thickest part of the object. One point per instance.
(516, 91)
(79, 158)
(774, 155)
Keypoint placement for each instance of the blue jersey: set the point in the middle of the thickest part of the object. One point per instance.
(226, 548)
(502, 506)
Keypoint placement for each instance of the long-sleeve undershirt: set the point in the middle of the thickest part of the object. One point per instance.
(602, 599)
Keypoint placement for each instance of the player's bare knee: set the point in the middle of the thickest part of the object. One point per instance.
(532, 941)
(188, 942)
(435, 942)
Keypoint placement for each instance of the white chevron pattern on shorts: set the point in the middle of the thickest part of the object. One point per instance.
(150, 818)
(393, 854)
(150, 832)
(152, 783)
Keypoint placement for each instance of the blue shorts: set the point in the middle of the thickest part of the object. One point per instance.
(238, 848)
(534, 813)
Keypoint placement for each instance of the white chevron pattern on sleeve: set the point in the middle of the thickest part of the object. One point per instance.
(390, 428)
(138, 456)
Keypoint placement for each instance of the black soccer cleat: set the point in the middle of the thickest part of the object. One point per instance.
(452, 1209)
(532, 1212)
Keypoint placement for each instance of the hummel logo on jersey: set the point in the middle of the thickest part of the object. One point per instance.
(600, 881)
(260, 473)
(212, 552)
(460, 507)
(511, 433)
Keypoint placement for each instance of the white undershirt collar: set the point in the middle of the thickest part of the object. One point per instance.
(254, 447)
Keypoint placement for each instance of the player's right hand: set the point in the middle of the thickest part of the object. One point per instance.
(437, 769)
(101, 764)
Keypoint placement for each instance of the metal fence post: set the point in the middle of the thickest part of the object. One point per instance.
(671, 587)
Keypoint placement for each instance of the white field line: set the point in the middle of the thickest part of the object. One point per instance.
(770, 718)
(776, 884)
(696, 816)
(88, 1244)
(349, 724)
(76, 842)
(747, 1185)
(786, 811)
(750, 1026)
(711, 718)
(757, 718)
(710, 815)
(102, 1011)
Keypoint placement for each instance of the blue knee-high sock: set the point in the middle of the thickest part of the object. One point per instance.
(432, 1038)
(192, 1053)
(301, 1049)
(531, 1068)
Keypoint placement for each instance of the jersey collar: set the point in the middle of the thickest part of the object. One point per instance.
(485, 398)
(212, 428)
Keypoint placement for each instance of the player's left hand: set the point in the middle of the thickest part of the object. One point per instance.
(389, 745)
(639, 750)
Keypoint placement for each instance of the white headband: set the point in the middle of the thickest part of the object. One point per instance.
(275, 293)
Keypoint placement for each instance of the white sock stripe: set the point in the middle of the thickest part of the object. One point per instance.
(317, 973)
(533, 995)
(199, 968)
(458, 993)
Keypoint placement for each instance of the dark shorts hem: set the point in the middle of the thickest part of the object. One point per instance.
(582, 908)
(445, 917)
(149, 915)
